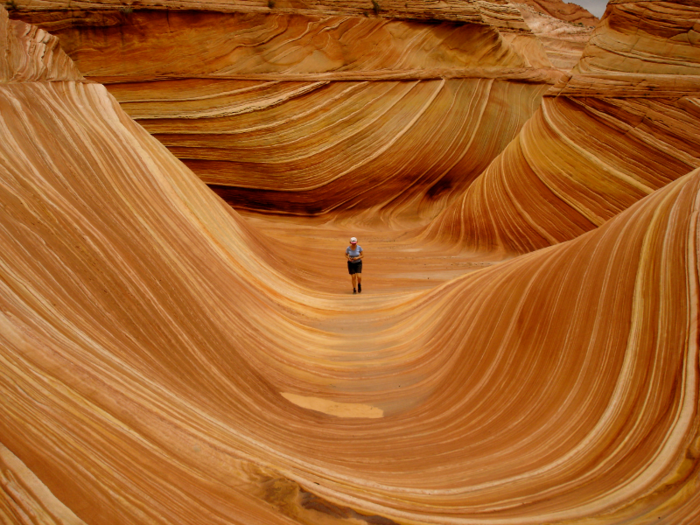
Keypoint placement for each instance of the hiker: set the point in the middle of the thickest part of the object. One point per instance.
(354, 255)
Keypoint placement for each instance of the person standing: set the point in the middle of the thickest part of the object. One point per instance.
(354, 255)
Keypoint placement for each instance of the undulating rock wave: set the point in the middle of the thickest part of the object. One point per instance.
(400, 148)
(623, 124)
(292, 110)
(158, 365)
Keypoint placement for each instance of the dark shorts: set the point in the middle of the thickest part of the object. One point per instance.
(354, 267)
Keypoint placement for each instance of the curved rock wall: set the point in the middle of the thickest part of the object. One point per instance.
(157, 367)
(153, 45)
(401, 148)
(622, 125)
(643, 37)
(161, 363)
(31, 54)
(291, 112)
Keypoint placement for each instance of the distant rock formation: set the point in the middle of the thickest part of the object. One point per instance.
(291, 109)
(470, 11)
(563, 42)
(623, 124)
(567, 11)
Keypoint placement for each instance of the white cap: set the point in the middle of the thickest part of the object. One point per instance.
(353, 240)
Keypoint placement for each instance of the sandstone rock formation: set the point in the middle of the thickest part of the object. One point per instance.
(289, 111)
(567, 11)
(31, 54)
(25, 499)
(563, 41)
(622, 125)
(160, 361)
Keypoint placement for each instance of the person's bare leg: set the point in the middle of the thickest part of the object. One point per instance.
(359, 282)
(354, 281)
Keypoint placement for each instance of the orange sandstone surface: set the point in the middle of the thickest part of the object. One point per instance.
(167, 359)
(623, 124)
(290, 110)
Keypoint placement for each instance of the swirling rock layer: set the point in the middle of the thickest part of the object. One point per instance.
(402, 148)
(576, 164)
(147, 345)
(622, 125)
(291, 113)
(162, 360)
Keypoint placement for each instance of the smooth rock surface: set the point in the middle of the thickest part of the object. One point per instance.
(623, 124)
(290, 112)
(151, 336)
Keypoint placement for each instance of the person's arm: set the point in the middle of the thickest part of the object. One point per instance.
(347, 255)
(362, 254)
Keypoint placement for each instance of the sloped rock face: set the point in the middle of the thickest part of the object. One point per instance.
(148, 337)
(622, 125)
(642, 37)
(563, 41)
(567, 11)
(31, 54)
(291, 111)
(161, 363)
